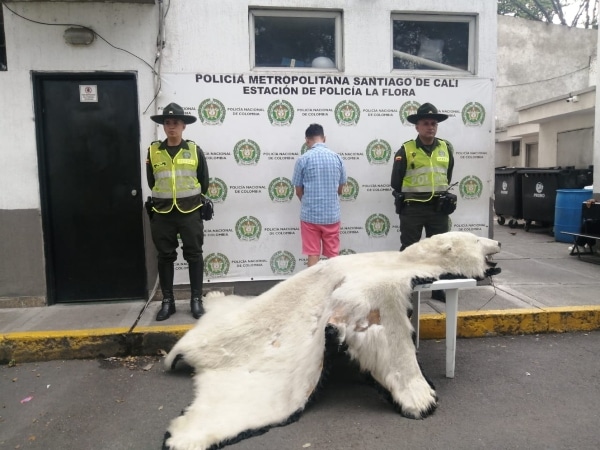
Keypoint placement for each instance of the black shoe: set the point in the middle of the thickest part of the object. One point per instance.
(196, 307)
(166, 310)
(438, 295)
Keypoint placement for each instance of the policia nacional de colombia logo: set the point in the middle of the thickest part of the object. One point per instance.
(280, 112)
(408, 109)
(216, 265)
(377, 225)
(378, 152)
(350, 190)
(246, 152)
(283, 263)
(248, 228)
(473, 114)
(211, 112)
(470, 187)
(281, 190)
(217, 190)
(347, 113)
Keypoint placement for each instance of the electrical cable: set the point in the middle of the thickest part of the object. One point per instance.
(150, 297)
(547, 79)
(80, 26)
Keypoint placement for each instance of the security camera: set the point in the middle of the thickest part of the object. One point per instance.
(573, 99)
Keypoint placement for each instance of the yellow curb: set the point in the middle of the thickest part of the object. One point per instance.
(472, 324)
(87, 344)
(151, 340)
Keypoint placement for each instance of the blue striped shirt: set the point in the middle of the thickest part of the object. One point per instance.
(320, 172)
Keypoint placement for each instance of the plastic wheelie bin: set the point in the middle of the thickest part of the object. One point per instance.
(539, 188)
(508, 203)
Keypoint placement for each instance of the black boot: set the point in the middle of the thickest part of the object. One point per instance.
(167, 308)
(196, 271)
(166, 273)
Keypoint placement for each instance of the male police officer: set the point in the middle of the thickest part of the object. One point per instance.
(422, 171)
(177, 174)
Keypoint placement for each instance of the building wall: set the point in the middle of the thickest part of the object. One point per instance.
(538, 61)
(200, 36)
(549, 139)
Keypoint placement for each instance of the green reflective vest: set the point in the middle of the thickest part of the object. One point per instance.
(176, 181)
(425, 175)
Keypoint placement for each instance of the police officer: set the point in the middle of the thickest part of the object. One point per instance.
(177, 174)
(422, 170)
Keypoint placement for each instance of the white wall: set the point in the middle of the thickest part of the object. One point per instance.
(365, 53)
(200, 36)
(35, 47)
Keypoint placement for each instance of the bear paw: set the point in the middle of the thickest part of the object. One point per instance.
(417, 400)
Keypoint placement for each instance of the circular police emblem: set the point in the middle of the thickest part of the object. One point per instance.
(378, 152)
(347, 113)
(350, 190)
(280, 112)
(248, 228)
(283, 263)
(473, 114)
(246, 152)
(281, 190)
(216, 265)
(377, 225)
(347, 251)
(304, 149)
(408, 109)
(211, 112)
(217, 190)
(470, 187)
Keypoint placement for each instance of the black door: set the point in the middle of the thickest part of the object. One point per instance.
(89, 164)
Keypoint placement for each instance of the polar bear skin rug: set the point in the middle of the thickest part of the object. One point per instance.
(258, 360)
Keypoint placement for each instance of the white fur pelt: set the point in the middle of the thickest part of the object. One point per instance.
(258, 360)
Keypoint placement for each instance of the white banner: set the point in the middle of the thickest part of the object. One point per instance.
(251, 128)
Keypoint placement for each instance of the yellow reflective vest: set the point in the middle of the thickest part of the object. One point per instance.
(176, 181)
(425, 175)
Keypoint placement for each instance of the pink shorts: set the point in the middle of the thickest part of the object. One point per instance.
(314, 234)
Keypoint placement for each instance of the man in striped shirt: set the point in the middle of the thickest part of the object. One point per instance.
(319, 176)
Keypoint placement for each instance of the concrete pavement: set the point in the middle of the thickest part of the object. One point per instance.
(542, 288)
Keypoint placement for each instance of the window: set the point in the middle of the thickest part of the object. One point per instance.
(433, 42)
(295, 39)
(3, 63)
(516, 148)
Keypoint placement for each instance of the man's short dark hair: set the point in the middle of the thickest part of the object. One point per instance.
(314, 129)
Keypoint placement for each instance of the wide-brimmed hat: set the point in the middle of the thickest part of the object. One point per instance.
(426, 111)
(173, 111)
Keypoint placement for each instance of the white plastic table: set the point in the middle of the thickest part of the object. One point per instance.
(451, 287)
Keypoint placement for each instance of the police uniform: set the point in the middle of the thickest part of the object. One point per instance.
(420, 174)
(178, 176)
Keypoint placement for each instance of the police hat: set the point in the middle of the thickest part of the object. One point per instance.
(173, 111)
(426, 111)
